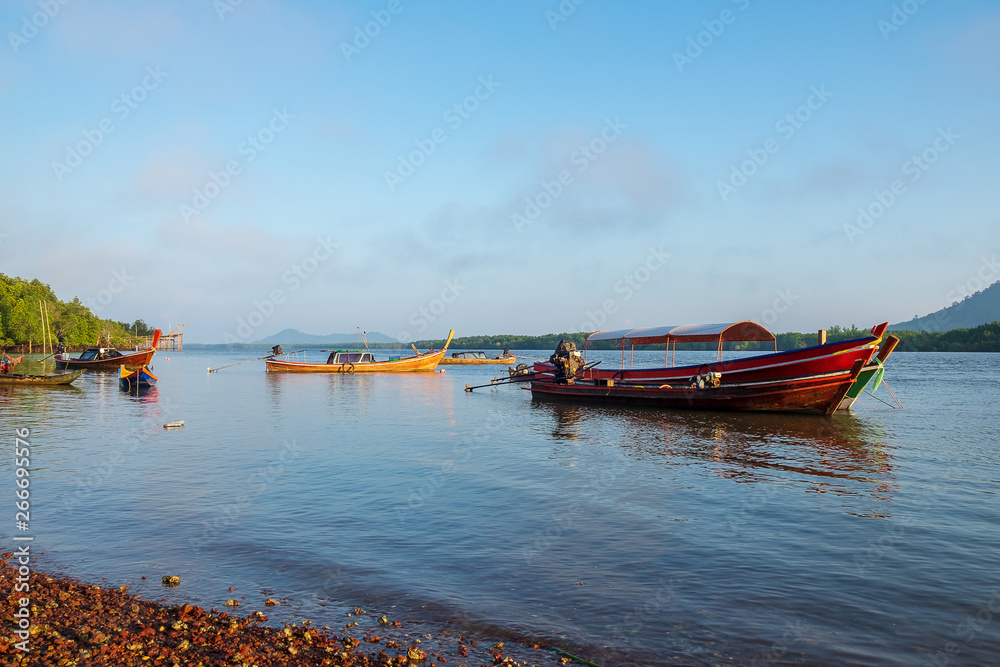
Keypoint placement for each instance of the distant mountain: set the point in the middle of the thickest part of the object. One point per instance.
(982, 307)
(294, 336)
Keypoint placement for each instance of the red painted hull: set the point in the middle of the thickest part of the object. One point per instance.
(819, 394)
(818, 360)
(130, 360)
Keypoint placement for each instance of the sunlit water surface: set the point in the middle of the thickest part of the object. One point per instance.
(628, 536)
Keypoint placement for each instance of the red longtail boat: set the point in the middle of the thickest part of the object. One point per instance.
(816, 360)
(814, 379)
(109, 359)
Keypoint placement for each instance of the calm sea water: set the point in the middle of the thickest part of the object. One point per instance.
(628, 536)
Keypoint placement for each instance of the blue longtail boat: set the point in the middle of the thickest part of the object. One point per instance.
(142, 378)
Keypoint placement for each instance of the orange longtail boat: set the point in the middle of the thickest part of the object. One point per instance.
(358, 361)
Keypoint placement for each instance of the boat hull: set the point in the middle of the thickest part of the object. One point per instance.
(40, 380)
(506, 361)
(138, 379)
(424, 362)
(818, 394)
(131, 360)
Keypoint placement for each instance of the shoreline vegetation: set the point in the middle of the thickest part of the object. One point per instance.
(23, 303)
(984, 338)
(72, 623)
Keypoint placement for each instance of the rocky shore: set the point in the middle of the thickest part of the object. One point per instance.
(73, 623)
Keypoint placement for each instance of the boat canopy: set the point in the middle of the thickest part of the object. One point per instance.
(686, 333)
(689, 333)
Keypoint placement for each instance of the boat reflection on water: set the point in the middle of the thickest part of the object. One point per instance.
(842, 454)
(568, 419)
(338, 389)
(355, 396)
(143, 393)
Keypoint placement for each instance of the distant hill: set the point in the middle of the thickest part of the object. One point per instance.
(294, 336)
(982, 307)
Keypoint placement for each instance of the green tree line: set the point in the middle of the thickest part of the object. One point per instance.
(71, 323)
(984, 338)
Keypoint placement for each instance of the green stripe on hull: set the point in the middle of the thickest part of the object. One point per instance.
(867, 373)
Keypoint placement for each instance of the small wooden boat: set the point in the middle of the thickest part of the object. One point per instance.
(476, 358)
(38, 380)
(142, 378)
(362, 361)
(109, 359)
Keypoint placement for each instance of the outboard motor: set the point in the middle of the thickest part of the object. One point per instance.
(276, 351)
(568, 362)
(520, 369)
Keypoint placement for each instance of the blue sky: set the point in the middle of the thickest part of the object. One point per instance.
(503, 167)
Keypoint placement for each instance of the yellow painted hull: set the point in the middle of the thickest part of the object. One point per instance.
(421, 362)
(506, 361)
